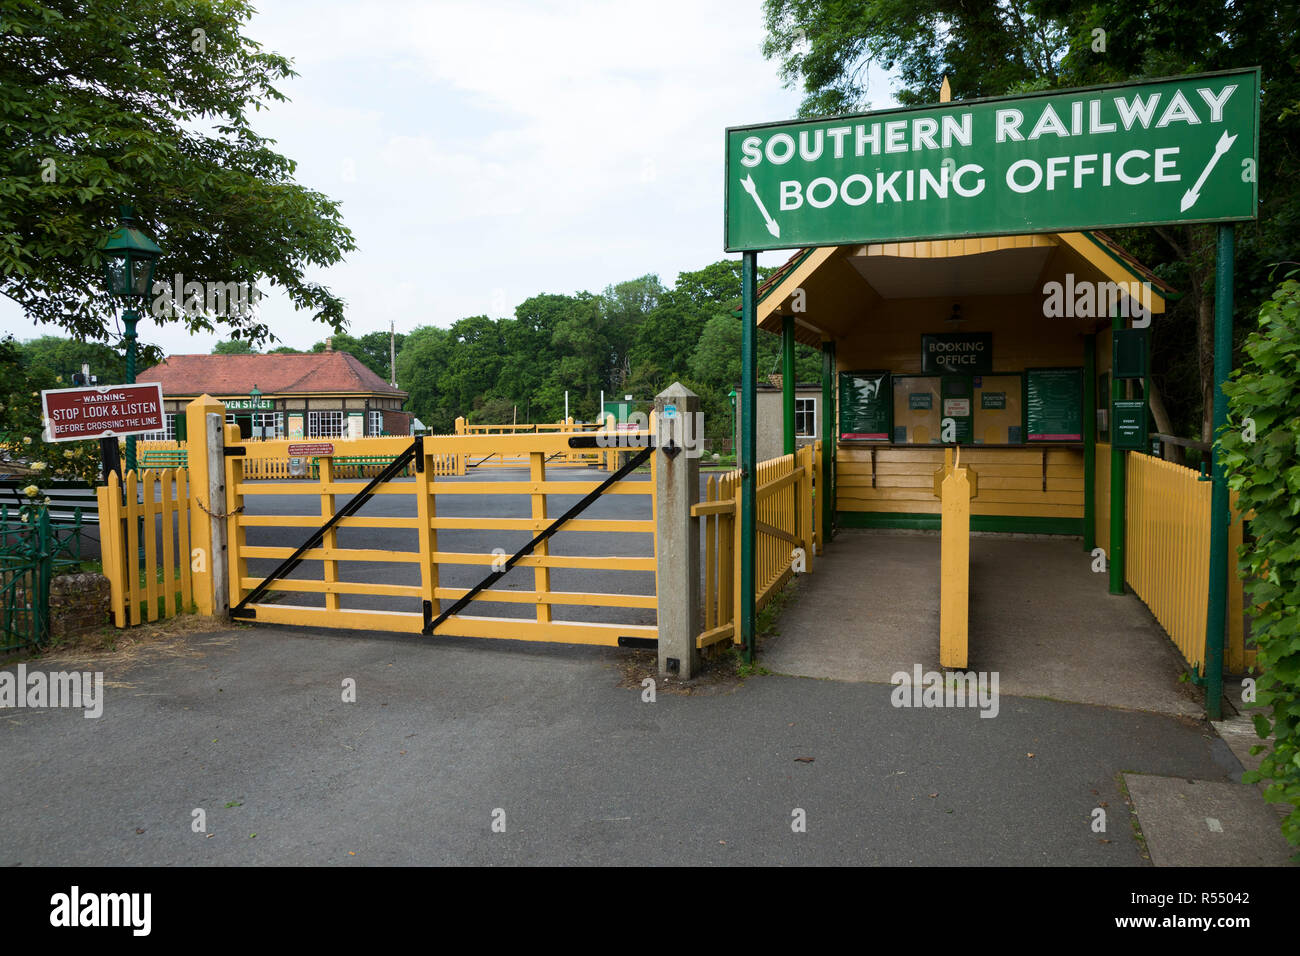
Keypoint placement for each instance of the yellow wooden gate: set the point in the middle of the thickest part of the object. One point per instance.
(455, 529)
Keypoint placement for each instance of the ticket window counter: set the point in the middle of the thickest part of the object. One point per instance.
(984, 409)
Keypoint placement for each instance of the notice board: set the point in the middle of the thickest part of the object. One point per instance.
(1054, 404)
(866, 403)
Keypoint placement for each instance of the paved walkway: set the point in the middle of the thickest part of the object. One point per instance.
(1039, 616)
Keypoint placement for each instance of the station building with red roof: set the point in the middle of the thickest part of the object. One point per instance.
(284, 395)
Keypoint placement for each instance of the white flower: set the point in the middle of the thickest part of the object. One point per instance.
(31, 491)
(27, 439)
(46, 501)
(38, 466)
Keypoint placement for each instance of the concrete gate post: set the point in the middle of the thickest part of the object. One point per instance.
(679, 440)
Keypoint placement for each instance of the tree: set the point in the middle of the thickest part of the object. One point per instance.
(624, 308)
(234, 347)
(22, 424)
(1262, 461)
(147, 104)
(56, 356)
(421, 366)
(985, 49)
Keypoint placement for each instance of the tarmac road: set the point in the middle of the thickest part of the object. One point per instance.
(250, 727)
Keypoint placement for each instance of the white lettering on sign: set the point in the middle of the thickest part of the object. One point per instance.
(900, 186)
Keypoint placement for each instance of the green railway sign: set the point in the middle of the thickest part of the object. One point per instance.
(1175, 150)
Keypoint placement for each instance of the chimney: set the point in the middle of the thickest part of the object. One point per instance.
(329, 344)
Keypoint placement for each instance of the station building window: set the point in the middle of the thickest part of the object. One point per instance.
(326, 425)
(168, 432)
(376, 423)
(805, 417)
(268, 425)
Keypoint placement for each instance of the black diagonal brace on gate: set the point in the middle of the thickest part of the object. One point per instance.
(352, 507)
(432, 625)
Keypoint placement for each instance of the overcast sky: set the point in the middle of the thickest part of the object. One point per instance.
(487, 151)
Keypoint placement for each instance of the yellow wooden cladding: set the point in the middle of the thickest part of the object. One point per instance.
(784, 496)
(954, 563)
(540, 451)
(1101, 498)
(1036, 481)
(144, 527)
(1167, 555)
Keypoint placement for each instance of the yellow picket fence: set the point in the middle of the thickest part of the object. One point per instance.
(144, 524)
(591, 457)
(1167, 556)
(785, 541)
(260, 467)
(347, 574)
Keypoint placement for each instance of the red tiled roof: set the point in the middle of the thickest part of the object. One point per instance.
(279, 374)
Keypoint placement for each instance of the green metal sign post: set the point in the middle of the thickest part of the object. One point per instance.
(1146, 153)
(748, 460)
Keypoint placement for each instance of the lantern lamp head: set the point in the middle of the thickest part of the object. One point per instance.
(129, 258)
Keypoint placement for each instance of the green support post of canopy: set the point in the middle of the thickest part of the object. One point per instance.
(826, 480)
(787, 384)
(748, 451)
(1216, 616)
(1089, 441)
(1117, 463)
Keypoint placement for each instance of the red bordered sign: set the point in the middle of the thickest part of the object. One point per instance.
(102, 411)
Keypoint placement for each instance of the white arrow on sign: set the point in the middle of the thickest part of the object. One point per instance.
(772, 227)
(1192, 195)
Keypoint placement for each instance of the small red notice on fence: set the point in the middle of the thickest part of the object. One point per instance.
(309, 451)
(104, 411)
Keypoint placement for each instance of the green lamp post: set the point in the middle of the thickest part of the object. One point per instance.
(255, 403)
(129, 260)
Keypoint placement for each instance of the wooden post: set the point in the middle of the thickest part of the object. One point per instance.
(954, 586)
(200, 556)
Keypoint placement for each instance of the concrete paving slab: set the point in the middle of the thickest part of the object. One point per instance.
(1038, 616)
(1189, 822)
(1237, 730)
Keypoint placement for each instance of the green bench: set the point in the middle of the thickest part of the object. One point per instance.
(352, 465)
(167, 458)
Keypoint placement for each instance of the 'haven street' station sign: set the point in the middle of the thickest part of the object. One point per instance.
(105, 411)
(1164, 151)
